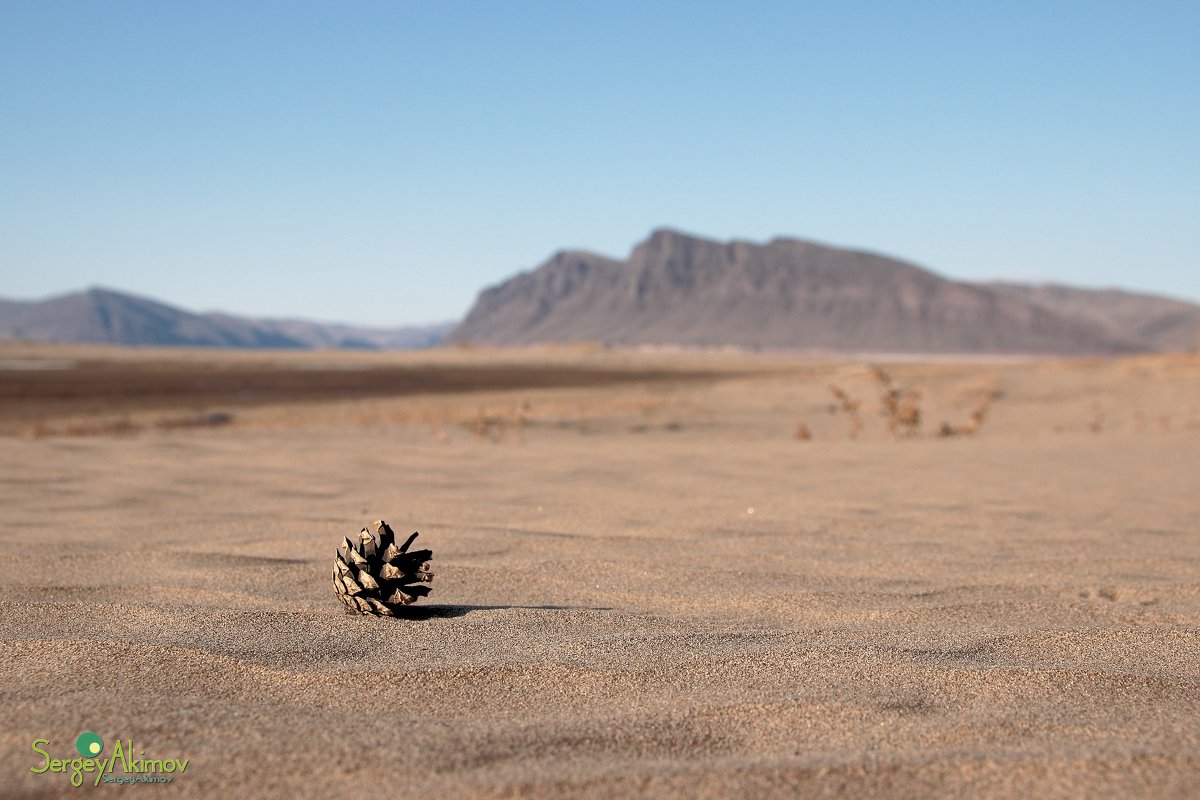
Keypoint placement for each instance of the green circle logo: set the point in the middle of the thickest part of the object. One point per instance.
(89, 744)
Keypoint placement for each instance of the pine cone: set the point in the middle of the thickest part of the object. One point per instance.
(377, 577)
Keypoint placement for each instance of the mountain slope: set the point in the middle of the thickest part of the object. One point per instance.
(109, 317)
(1159, 323)
(676, 289)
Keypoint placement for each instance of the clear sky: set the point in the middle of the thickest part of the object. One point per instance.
(380, 162)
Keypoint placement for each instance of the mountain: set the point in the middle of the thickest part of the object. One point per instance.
(1158, 323)
(110, 317)
(677, 289)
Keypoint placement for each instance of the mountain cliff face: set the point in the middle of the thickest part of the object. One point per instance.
(109, 317)
(676, 289)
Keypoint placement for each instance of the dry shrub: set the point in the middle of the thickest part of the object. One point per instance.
(496, 426)
(850, 407)
(480, 426)
(900, 407)
(975, 422)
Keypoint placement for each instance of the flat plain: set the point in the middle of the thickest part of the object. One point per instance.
(657, 573)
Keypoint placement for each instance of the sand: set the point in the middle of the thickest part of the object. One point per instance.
(644, 587)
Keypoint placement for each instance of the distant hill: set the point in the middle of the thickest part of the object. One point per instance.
(676, 289)
(1158, 323)
(111, 317)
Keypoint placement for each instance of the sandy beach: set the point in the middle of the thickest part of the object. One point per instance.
(649, 582)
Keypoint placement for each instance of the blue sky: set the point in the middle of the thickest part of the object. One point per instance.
(381, 162)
